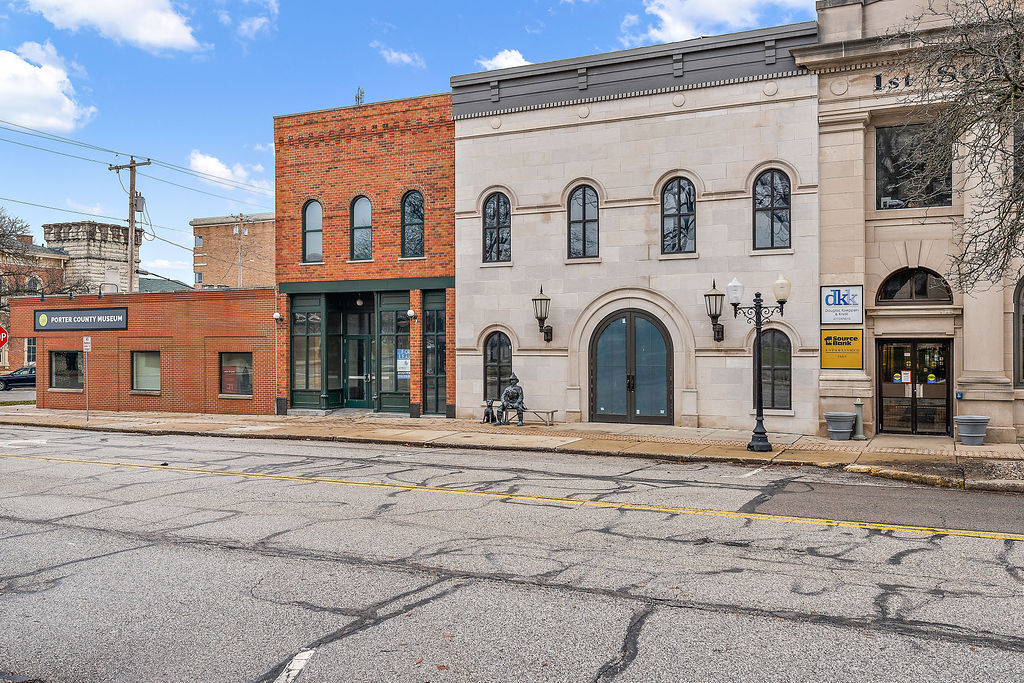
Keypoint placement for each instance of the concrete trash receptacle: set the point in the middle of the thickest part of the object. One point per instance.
(840, 425)
(971, 429)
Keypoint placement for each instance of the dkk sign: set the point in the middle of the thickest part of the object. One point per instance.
(842, 304)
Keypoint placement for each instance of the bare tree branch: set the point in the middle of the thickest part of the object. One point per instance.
(957, 68)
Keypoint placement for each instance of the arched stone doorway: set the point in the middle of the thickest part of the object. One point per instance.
(630, 373)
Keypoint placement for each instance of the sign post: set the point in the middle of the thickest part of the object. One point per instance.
(3, 337)
(86, 348)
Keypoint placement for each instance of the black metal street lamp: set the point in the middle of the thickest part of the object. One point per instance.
(758, 314)
(541, 307)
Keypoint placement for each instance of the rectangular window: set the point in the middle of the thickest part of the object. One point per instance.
(30, 351)
(199, 278)
(145, 370)
(236, 374)
(199, 240)
(900, 175)
(66, 370)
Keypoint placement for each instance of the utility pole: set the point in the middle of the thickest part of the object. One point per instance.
(241, 219)
(131, 215)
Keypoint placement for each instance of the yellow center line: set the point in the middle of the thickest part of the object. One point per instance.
(542, 499)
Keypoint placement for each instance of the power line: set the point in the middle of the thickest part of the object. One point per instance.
(236, 184)
(57, 208)
(52, 151)
(212, 258)
(123, 220)
(196, 189)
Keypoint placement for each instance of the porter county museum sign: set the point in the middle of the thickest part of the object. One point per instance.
(81, 319)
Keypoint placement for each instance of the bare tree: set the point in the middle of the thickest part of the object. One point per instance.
(957, 68)
(22, 273)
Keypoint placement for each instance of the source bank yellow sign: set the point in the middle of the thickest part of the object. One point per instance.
(842, 349)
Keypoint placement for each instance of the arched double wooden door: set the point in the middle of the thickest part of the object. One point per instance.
(631, 370)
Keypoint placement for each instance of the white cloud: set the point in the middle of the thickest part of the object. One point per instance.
(166, 264)
(96, 208)
(35, 90)
(260, 147)
(238, 173)
(683, 19)
(253, 26)
(150, 24)
(223, 17)
(503, 60)
(396, 58)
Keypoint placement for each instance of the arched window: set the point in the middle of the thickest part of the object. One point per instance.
(497, 364)
(776, 370)
(412, 224)
(362, 230)
(583, 231)
(497, 229)
(678, 217)
(772, 210)
(312, 232)
(914, 286)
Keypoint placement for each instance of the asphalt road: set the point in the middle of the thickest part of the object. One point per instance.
(19, 394)
(133, 558)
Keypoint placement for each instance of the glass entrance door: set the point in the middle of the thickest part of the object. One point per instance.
(359, 365)
(914, 394)
(631, 371)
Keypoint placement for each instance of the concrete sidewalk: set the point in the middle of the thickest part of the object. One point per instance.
(936, 461)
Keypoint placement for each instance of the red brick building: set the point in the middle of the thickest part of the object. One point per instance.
(365, 257)
(205, 352)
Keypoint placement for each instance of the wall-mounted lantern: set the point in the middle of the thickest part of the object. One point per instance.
(541, 308)
(713, 301)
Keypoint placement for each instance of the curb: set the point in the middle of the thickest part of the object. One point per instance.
(938, 481)
(912, 477)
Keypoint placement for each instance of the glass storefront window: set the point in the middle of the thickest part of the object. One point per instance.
(146, 370)
(66, 370)
(236, 374)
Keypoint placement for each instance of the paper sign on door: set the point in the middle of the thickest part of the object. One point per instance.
(905, 377)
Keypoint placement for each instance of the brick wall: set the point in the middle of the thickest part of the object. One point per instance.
(189, 329)
(380, 151)
(217, 259)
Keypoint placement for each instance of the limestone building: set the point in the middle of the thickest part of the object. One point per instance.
(929, 351)
(97, 252)
(625, 184)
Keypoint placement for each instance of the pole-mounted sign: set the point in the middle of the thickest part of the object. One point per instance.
(3, 337)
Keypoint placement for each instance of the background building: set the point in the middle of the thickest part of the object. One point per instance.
(365, 256)
(625, 184)
(930, 352)
(27, 267)
(234, 251)
(97, 252)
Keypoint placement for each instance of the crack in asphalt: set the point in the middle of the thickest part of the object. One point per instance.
(368, 618)
(887, 619)
(615, 666)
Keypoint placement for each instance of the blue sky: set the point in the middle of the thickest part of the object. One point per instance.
(196, 84)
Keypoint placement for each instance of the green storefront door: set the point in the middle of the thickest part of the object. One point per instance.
(359, 359)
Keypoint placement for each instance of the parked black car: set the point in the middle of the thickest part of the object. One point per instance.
(25, 377)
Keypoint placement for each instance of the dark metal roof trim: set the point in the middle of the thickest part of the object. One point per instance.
(638, 93)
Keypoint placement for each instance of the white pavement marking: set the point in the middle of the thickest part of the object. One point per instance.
(294, 668)
(21, 443)
(752, 473)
